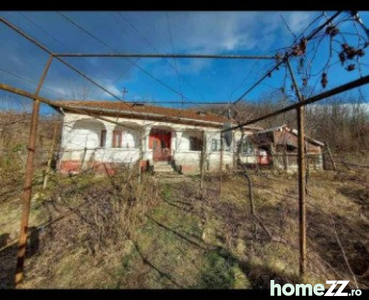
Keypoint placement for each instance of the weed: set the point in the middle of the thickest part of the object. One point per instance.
(218, 272)
(167, 192)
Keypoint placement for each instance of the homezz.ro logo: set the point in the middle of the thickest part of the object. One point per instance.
(336, 289)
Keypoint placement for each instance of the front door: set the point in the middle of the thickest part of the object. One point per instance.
(160, 145)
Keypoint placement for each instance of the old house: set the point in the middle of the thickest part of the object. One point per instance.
(277, 147)
(164, 139)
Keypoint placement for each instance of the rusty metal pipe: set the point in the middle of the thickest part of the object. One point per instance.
(342, 88)
(38, 44)
(301, 173)
(160, 55)
(268, 73)
(27, 187)
(221, 162)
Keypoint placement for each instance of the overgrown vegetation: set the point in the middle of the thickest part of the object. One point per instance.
(93, 231)
(14, 136)
(166, 235)
(341, 121)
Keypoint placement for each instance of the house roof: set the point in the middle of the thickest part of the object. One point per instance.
(273, 129)
(311, 140)
(292, 131)
(148, 112)
(121, 108)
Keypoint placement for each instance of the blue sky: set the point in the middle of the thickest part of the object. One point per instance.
(197, 80)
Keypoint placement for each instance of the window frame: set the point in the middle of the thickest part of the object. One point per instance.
(214, 145)
(247, 147)
(103, 138)
(117, 134)
(196, 143)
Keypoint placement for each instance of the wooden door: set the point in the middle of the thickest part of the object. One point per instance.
(160, 144)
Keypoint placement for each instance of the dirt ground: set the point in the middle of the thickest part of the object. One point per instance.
(173, 234)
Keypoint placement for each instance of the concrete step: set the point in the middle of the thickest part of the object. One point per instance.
(170, 170)
(163, 167)
(169, 175)
(162, 163)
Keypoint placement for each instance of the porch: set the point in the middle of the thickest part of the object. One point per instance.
(87, 142)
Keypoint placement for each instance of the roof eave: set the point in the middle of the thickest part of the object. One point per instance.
(125, 112)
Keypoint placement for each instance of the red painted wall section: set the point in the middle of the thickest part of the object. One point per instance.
(74, 166)
(263, 157)
(69, 166)
(189, 169)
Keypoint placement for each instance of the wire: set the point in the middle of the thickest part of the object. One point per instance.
(175, 61)
(157, 51)
(108, 46)
(32, 82)
(58, 41)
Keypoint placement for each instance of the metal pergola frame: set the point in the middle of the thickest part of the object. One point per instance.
(150, 55)
(299, 107)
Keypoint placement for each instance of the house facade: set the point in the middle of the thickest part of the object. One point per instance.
(151, 135)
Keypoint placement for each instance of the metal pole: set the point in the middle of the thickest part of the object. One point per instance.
(159, 55)
(32, 40)
(27, 187)
(50, 156)
(52, 104)
(202, 161)
(342, 88)
(220, 163)
(302, 186)
(142, 141)
(331, 156)
(301, 173)
(86, 110)
(288, 54)
(222, 102)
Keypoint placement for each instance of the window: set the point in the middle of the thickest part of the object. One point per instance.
(247, 147)
(117, 139)
(225, 146)
(214, 145)
(103, 138)
(195, 144)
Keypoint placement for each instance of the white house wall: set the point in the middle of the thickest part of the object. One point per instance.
(83, 142)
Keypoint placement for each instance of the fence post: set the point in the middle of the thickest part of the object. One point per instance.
(50, 156)
(27, 187)
(285, 161)
(140, 159)
(202, 161)
(221, 163)
(331, 157)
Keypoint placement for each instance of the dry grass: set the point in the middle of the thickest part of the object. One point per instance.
(164, 234)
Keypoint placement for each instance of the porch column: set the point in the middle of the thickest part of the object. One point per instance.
(145, 141)
(179, 134)
(109, 134)
(205, 150)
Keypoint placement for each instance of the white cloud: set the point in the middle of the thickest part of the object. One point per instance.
(113, 89)
(192, 32)
(298, 21)
(217, 32)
